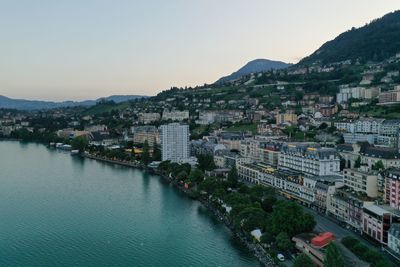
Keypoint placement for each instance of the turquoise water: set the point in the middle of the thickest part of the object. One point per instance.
(60, 210)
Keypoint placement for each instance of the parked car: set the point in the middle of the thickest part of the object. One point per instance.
(280, 257)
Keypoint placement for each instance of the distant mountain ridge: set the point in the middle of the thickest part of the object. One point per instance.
(375, 41)
(23, 104)
(254, 66)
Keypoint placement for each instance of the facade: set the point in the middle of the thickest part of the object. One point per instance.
(322, 190)
(175, 115)
(206, 117)
(376, 223)
(392, 187)
(346, 206)
(141, 134)
(389, 97)
(394, 238)
(286, 118)
(309, 158)
(203, 147)
(270, 155)
(251, 149)
(361, 180)
(370, 155)
(147, 118)
(231, 140)
(304, 243)
(175, 142)
(345, 94)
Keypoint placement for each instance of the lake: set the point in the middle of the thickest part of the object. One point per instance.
(62, 210)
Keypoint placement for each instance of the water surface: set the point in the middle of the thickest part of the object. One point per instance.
(60, 210)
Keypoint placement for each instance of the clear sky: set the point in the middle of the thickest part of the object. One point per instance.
(80, 49)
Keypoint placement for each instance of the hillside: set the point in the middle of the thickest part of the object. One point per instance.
(257, 65)
(375, 41)
(23, 104)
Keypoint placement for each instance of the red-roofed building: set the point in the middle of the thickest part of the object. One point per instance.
(322, 239)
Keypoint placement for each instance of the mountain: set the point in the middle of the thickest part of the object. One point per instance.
(257, 65)
(23, 104)
(375, 41)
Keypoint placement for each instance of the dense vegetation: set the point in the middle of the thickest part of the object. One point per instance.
(371, 256)
(376, 41)
(246, 207)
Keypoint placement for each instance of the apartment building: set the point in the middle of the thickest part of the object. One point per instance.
(377, 221)
(362, 180)
(175, 142)
(309, 158)
(141, 134)
(389, 97)
(288, 117)
(347, 205)
(147, 118)
(392, 187)
(175, 115)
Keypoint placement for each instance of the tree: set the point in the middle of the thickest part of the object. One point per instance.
(268, 203)
(378, 165)
(303, 261)
(205, 162)
(289, 217)
(233, 177)
(156, 153)
(357, 164)
(267, 238)
(283, 241)
(79, 143)
(196, 176)
(333, 258)
(146, 159)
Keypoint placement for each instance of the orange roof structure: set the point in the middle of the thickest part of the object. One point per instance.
(322, 239)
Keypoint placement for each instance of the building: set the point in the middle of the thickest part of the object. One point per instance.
(288, 117)
(270, 154)
(347, 205)
(141, 134)
(96, 128)
(231, 140)
(392, 187)
(362, 180)
(368, 125)
(203, 147)
(345, 126)
(345, 94)
(394, 238)
(309, 158)
(388, 134)
(370, 155)
(312, 245)
(206, 117)
(251, 149)
(389, 97)
(175, 115)
(322, 190)
(377, 221)
(175, 142)
(353, 138)
(147, 118)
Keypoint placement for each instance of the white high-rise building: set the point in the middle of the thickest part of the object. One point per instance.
(175, 142)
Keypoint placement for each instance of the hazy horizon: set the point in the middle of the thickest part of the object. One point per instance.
(75, 50)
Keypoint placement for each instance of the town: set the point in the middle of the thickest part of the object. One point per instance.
(336, 151)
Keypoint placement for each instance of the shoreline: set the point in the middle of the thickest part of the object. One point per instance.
(255, 249)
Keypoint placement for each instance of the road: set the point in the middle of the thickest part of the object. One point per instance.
(325, 224)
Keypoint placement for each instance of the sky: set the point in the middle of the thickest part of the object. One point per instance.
(85, 49)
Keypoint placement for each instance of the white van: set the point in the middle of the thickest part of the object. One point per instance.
(280, 257)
